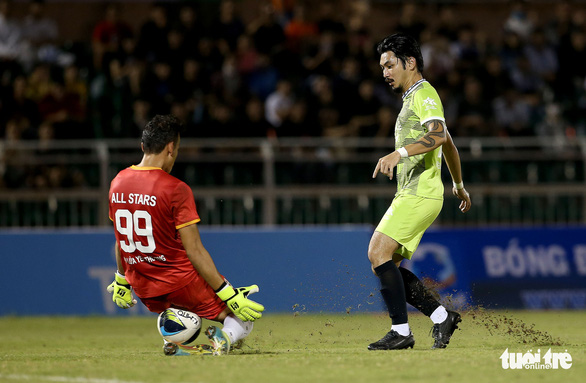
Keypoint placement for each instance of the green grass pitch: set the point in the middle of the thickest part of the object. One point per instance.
(289, 348)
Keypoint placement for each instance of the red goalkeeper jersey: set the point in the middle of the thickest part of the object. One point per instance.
(148, 206)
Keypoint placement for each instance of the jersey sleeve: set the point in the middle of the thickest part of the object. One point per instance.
(427, 105)
(183, 205)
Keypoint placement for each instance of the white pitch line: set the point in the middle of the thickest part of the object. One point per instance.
(65, 379)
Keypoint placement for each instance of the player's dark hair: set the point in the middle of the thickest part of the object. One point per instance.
(403, 46)
(159, 131)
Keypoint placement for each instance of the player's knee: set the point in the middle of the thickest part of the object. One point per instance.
(381, 249)
(377, 257)
(373, 253)
(372, 257)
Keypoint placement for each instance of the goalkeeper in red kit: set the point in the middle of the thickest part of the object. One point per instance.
(159, 252)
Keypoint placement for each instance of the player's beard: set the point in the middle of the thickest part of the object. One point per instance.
(398, 89)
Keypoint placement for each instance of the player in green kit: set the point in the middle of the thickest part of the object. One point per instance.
(421, 137)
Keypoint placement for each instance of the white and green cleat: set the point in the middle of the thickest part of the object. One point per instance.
(173, 349)
(219, 339)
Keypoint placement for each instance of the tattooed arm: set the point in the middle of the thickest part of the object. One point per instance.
(435, 137)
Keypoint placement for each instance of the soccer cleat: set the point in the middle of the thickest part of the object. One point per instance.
(442, 332)
(393, 341)
(219, 339)
(170, 349)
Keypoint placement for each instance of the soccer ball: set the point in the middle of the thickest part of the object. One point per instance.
(179, 326)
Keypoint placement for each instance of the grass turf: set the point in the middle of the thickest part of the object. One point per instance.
(289, 348)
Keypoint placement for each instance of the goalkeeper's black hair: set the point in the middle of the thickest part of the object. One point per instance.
(403, 46)
(159, 131)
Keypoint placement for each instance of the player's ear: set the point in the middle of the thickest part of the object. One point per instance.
(412, 63)
(170, 148)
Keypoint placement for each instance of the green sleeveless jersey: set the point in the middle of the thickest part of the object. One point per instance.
(419, 175)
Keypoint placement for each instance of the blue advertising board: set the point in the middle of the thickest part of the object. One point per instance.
(67, 272)
(541, 268)
(307, 269)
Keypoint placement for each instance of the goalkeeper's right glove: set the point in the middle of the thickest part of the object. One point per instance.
(237, 300)
(122, 293)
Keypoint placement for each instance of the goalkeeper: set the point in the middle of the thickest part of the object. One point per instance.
(159, 252)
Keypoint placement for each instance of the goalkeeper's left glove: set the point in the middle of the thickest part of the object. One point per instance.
(237, 300)
(122, 292)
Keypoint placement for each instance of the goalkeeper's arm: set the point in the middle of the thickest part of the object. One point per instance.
(120, 288)
(236, 299)
(120, 269)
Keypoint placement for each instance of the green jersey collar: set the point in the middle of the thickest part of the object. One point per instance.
(412, 87)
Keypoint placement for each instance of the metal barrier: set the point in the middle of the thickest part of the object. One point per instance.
(514, 181)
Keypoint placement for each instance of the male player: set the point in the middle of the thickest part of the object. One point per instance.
(158, 248)
(421, 136)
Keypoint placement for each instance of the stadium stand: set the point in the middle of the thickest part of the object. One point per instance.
(284, 107)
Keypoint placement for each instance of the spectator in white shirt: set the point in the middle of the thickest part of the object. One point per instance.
(10, 34)
(279, 103)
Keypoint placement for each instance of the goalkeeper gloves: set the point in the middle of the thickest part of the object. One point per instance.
(237, 300)
(122, 292)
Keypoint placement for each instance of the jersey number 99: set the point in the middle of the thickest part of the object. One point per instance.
(132, 226)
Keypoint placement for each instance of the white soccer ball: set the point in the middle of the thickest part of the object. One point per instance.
(179, 326)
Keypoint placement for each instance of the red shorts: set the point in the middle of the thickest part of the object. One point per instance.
(197, 297)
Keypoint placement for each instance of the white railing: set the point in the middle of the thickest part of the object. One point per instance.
(529, 181)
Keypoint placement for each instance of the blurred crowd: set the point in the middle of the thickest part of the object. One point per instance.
(296, 69)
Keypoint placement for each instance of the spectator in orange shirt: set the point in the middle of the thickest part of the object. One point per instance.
(299, 29)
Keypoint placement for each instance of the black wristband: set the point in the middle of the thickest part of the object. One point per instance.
(221, 287)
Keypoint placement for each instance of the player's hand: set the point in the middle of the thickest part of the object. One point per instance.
(237, 301)
(386, 164)
(122, 293)
(464, 196)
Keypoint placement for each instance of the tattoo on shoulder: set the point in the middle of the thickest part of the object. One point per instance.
(435, 129)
